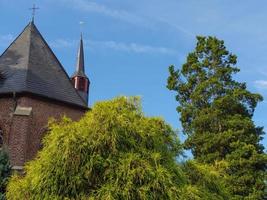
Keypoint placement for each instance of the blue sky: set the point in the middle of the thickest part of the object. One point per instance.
(130, 44)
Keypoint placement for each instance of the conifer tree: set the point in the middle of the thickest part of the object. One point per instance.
(216, 114)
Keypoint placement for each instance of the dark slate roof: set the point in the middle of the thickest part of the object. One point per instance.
(29, 65)
(80, 61)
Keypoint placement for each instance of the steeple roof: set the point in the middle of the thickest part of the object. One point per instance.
(80, 61)
(30, 66)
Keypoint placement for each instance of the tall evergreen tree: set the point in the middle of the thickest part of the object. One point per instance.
(216, 114)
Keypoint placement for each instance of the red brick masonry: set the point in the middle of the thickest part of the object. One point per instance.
(22, 134)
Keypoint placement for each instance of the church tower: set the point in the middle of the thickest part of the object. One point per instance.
(79, 79)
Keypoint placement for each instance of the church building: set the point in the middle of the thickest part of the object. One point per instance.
(35, 87)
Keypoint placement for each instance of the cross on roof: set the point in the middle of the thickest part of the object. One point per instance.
(34, 8)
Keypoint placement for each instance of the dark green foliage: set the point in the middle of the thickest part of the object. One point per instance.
(216, 113)
(5, 172)
(246, 169)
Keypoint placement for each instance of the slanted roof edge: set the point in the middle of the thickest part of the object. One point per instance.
(46, 97)
(56, 59)
(14, 40)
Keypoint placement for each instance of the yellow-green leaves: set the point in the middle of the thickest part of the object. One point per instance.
(114, 152)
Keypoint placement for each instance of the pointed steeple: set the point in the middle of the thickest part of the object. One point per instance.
(79, 79)
(80, 60)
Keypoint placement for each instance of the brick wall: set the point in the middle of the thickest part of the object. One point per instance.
(23, 134)
(6, 110)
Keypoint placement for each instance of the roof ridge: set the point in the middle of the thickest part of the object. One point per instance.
(28, 58)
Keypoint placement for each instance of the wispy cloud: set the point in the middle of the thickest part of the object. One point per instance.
(89, 6)
(132, 47)
(123, 15)
(116, 46)
(177, 27)
(6, 39)
(63, 43)
(260, 84)
(261, 69)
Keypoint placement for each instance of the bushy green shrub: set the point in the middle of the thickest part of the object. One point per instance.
(114, 152)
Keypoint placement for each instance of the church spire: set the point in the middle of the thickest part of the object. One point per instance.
(80, 59)
(79, 79)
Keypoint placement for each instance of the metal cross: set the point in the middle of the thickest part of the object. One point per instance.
(34, 8)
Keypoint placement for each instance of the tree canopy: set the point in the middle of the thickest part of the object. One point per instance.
(216, 114)
(114, 152)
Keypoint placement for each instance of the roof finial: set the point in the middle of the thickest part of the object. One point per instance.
(34, 8)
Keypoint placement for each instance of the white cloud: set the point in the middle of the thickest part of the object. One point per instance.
(131, 47)
(177, 27)
(260, 84)
(63, 43)
(148, 20)
(116, 46)
(261, 69)
(89, 6)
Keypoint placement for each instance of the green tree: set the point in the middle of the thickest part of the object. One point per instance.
(5, 172)
(114, 152)
(204, 182)
(216, 114)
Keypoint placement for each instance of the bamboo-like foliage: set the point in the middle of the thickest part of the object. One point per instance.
(205, 182)
(114, 152)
